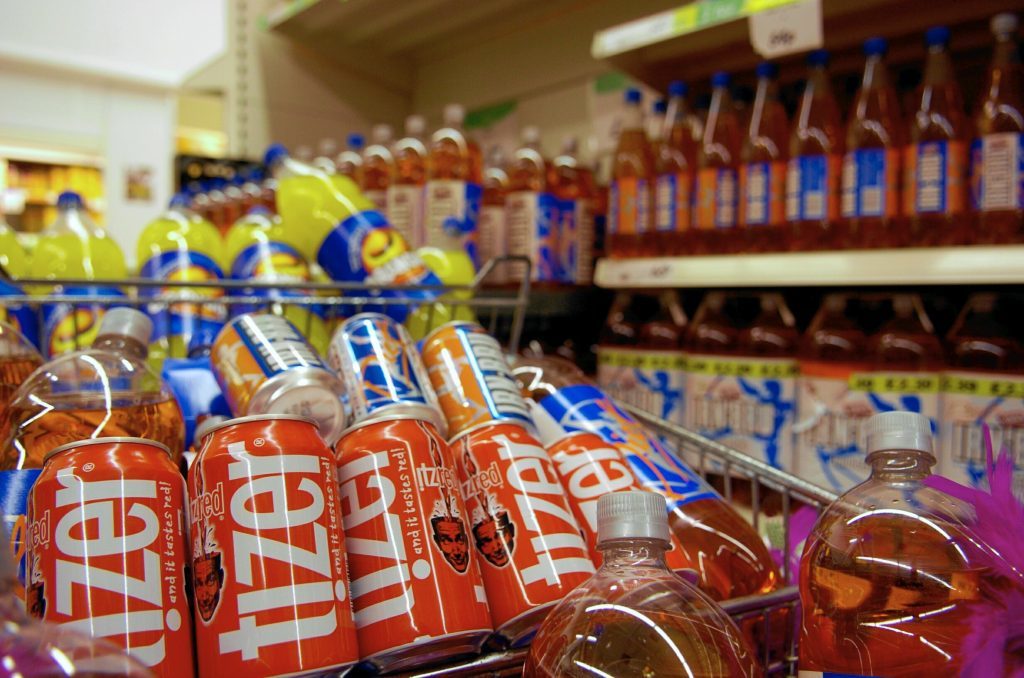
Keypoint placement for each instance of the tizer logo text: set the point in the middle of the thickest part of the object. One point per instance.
(589, 473)
(206, 505)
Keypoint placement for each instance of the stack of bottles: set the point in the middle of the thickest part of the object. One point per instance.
(771, 182)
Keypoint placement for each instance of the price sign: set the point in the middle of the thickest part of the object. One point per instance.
(787, 30)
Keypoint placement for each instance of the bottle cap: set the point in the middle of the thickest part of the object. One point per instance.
(1004, 23)
(381, 134)
(766, 69)
(875, 46)
(530, 134)
(937, 36)
(180, 199)
(721, 79)
(632, 515)
(660, 106)
(818, 57)
(415, 125)
(327, 147)
(69, 200)
(570, 145)
(126, 322)
(633, 96)
(454, 114)
(355, 141)
(274, 153)
(678, 88)
(899, 431)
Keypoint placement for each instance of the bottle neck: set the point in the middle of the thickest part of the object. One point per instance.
(876, 75)
(937, 67)
(637, 552)
(900, 465)
(122, 345)
(633, 118)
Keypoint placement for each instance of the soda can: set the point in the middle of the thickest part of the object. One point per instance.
(523, 528)
(106, 552)
(265, 366)
(416, 587)
(382, 370)
(471, 377)
(268, 557)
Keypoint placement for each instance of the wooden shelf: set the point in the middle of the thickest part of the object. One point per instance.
(996, 265)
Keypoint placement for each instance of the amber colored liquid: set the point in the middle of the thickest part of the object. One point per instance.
(410, 162)
(13, 371)
(867, 612)
(903, 344)
(767, 141)
(68, 422)
(719, 149)
(678, 155)
(453, 156)
(634, 158)
(377, 171)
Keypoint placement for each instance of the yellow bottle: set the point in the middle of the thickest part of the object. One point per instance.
(13, 257)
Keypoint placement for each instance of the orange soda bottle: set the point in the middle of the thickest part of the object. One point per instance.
(996, 165)
(935, 163)
(717, 162)
(405, 193)
(378, 166)
(676, 159)
(454, 184)
(871, 166)
(763, 169)
(816, 154)
(350, 161)
(572, 184)
(630, 196)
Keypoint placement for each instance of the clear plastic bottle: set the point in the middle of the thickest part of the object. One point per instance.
(378, 166)
(999, 141)
(532, 211)
(572, 183)
(18, 359)
(349, 162)
(717, 164)
(405, 194)
(887, 578)
(676, 161)
(871, 167)
(454, 183)
(327, 150)
(631, 194)
(816, 151)
(634, 617)
(935, 164)
(762, 214)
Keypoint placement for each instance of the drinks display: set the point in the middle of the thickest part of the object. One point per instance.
(572, 184)
(533, 211)
(454, 185)
(676, 164)
(405, 193)
(631, 194)
(718, 159)
(763, 167)
(378, 167)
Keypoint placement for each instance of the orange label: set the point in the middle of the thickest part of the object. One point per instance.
(629, 206)
(935, 178)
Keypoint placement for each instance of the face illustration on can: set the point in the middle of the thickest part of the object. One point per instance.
(207, 581)
(495, 538)
(450, 536)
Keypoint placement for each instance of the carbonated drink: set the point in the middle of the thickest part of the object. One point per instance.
(763, 167)
(378, 167)
(631, 195)
(717, 162)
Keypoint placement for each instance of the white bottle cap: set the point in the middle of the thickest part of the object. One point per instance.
(454, 114)
(327, 147)
(899, 431)
(531, 134)
(632, 515)
(415, 125)
(126, 322)
(570, 145)
(381, 134)
(1004, 23)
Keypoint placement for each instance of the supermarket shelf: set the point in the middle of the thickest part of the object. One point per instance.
(924, 266)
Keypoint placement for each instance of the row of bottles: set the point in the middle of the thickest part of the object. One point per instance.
(723, 185)
(741, 372)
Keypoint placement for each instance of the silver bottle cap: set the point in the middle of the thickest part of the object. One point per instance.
(632, 515)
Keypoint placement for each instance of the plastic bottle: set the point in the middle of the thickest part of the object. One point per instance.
(816, 148)
(763, 169)
(18, 359)
(493, 226)
(631, 194)
(656, 125)
(675, 165)
(634, 616)
(717, 162)
(871, 176)
(405, 194)
(982, 385)
(349, 162)
(615, 344)
(661, 376)
(454, 183)
(999, 141)
(222, 212)
(887, 580)
(378, 166)
(532, 211)
(13, 258)
(327, 149)
(935, 164)
(179, 245)
(573, 186)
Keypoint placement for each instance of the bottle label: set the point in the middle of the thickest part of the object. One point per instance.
(934, 181)
(654, 381)
(870, 183)
(716, 199)
(453, 209)
(184, 318)
(407, 269)
(69, 327)
(379, 198)
(586, 408)
(272, 260)
(763, 189)
(898, 391)
(997, 173)
(811, 188)
(829, 428)
(494, 234)
(20, 317)
(969, 401)
(405, 212)
(358, 245)
(746, 403)
(14, 490)
(672, 203)
(578, 246)
(629, 207)
(532, 228)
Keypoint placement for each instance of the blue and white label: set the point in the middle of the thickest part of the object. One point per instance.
(452, 209)
(20, 317)
(654, 381)
(533, 229)
(998, 172)
(807, 187)
(566, 236)
(666, 189)
(866, 190)
(270, 260)
(182, 318)
(14, 489)
(356, 246)
(757, 193)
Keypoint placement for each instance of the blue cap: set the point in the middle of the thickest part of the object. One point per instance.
(69, 200)
(633, 95)
(936, 36)
(274, 153)
(875, 46)
(678, 88)
(355, 141)
(721, 79)
(818, 57)
(766, 69)
(180, 199)
(660, 106)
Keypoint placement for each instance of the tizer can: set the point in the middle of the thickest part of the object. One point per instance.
(416, 587)
(472, 379)
(268, 557)
(382, 370)
(106, 552)
(265, 366)
(531, 551)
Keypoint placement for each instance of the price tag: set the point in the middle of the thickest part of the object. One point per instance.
(787, 30)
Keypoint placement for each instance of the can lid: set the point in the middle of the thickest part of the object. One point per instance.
(256, 417)
(393, 416)
(632, 515)
(493, 422)
(451, 323)
(107, 440)
(899, 431)
(207, 425)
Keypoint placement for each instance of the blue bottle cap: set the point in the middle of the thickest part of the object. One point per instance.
(937, 36)
(180, 199)
(69, 200)
(766, 69)
(633, 96)
(678, 88)
(274, 153)
(355, 141)
(721, 79)
(875, 46)
(660, 106)
(818, 57)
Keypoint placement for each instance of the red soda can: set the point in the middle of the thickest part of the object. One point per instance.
(106, 551)
(268, 558)
(265, 366)
(416, 586)
(382, 370)
(522, 526)
(471, 377)
(590, 468)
